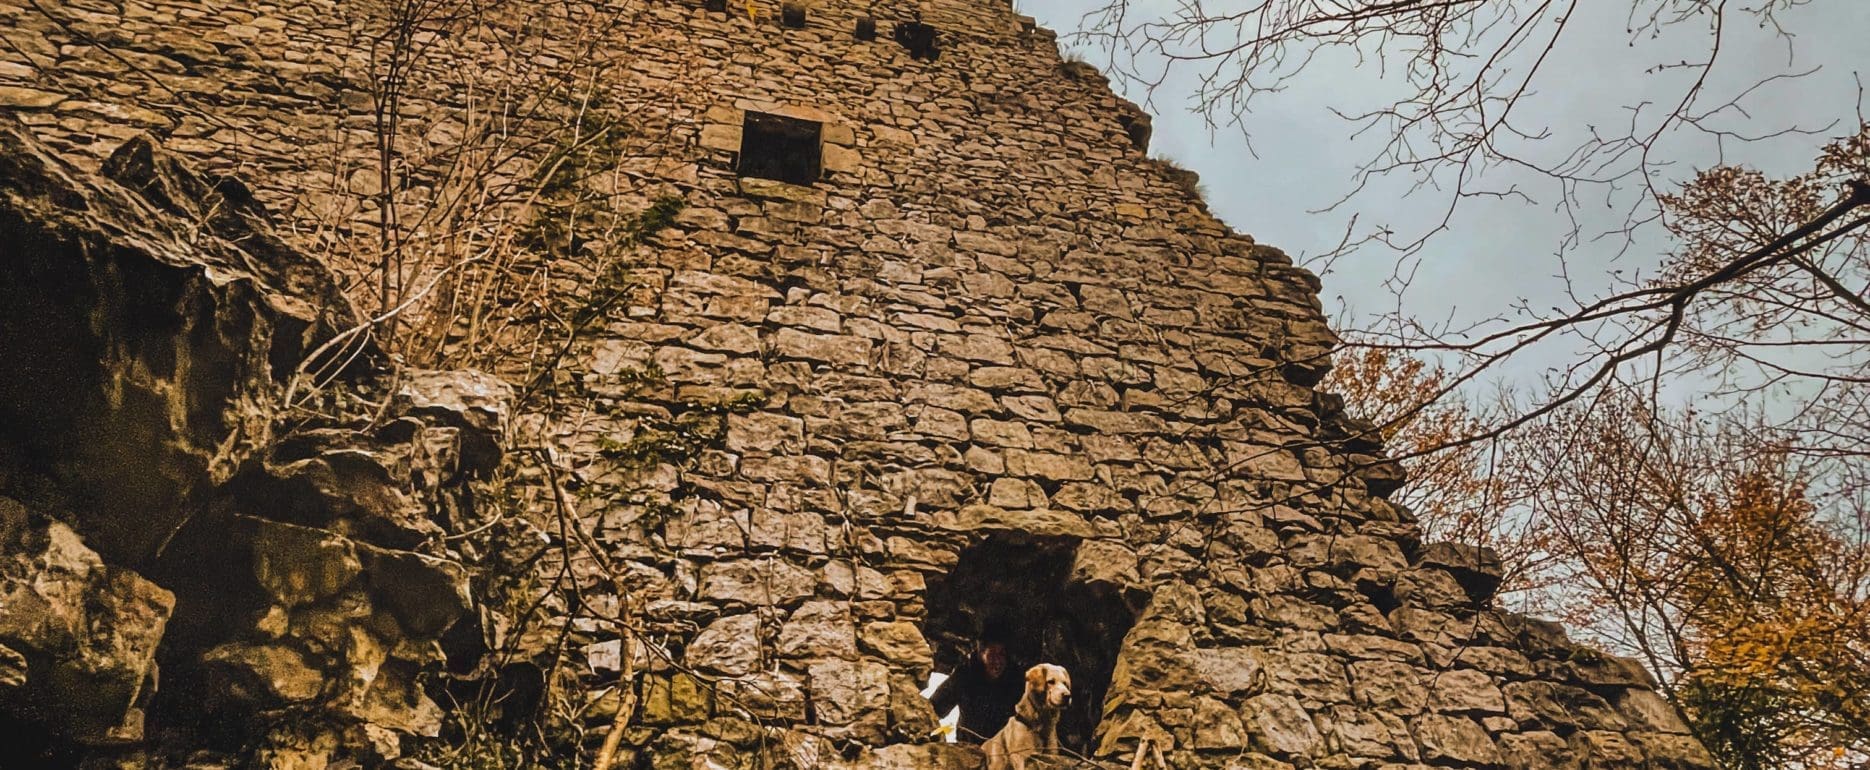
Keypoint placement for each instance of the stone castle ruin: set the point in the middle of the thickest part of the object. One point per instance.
(920, 334)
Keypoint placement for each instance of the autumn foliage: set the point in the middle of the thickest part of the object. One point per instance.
(1701, 506)
(1459, 493)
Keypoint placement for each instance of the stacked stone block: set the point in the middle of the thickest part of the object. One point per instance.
(992, 316)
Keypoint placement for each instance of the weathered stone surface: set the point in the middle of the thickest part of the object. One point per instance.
(1646, 710)
(910, 715)
(13, 670)
(1673, 751)
(1347, 553)
(424, 593)
(899, 642)
(1602, 748)
(1278, 725)
(302, 565)
(1543, 705)
(1392, 687)
(1354, 732)
(675, 698)
(822, 348)
(756, 582)
(1231, 671)
(200, 257)
(307, 555)
(1314, 677)
(1465, 691)
(927, 756)
(773, 695)
(1001, 433)
(15, 97)
(729, 646)
(1217, 725)
(1053, 467)
(1476, 568)
(78, 638)
(1527, 751)
(819, 629)
(1370, 647)
(988, 518)
(852, 694)
(1454, 739)
(264, 674)
(476, 403)
(1432, 588)
(1103, 562)
(764, 432)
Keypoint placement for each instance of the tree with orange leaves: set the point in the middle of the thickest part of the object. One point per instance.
(1458, 494)
(1710, 554)
(1728, 548)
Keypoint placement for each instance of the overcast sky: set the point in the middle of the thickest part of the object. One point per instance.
(1496, 251)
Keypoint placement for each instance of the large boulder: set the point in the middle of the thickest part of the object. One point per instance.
(78, 638)
(297, 575)
(148, 320)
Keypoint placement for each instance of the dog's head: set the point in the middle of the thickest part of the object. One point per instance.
(1049, 685)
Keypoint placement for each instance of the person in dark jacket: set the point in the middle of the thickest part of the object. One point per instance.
(986, 686)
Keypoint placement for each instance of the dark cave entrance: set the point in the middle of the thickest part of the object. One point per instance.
(1027, 583)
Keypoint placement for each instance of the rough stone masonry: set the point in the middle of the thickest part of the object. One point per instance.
(1004, 363)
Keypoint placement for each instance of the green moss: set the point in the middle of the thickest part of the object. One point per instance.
(699, 426)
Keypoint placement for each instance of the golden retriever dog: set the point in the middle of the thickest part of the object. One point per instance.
(1034, 726)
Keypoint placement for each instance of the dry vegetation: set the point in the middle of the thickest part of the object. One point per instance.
(489, 214)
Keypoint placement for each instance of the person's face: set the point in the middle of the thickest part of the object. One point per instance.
(993, 658)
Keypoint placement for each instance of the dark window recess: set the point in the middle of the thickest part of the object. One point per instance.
(792, 15)
(780, 148)
(1138, 126)
(919, 38)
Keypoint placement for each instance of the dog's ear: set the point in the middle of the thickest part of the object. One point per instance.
(1035, 678)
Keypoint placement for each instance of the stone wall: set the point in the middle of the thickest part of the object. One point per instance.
(992, 320)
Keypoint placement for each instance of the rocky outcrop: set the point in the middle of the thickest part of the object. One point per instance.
(77, 637)
(286, 567)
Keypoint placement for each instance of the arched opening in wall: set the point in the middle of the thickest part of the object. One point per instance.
(1027, 584)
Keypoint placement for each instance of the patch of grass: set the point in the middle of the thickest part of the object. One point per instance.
(1075, 67)
(1184, 178)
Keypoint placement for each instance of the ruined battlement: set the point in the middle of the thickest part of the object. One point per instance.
(989, 358)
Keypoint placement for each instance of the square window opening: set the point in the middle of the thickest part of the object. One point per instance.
(780, 148)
